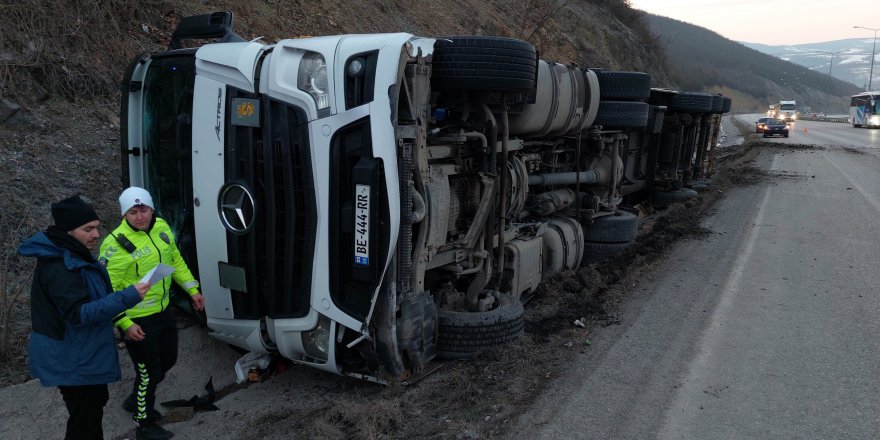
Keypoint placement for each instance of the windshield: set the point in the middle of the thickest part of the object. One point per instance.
(168, 89)
(777, 122)
(787, 107)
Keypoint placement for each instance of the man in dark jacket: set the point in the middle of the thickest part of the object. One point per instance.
(72, 345)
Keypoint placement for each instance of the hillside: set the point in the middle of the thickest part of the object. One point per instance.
(61, 63)
(848, 60)
(700, 59)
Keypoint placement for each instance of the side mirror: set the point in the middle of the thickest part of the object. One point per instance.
(216, 25)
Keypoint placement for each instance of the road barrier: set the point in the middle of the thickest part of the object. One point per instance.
(842, 119)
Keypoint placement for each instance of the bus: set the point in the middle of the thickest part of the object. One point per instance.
(864, 110)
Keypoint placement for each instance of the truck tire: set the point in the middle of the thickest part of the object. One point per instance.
(462, 335)
(622, 86)
(622, 114)
(698, 102)
(620, 227)
(663, 199)
(599, 252)
(484, 63)
(717, 103)
(700, 184)
(725, 104)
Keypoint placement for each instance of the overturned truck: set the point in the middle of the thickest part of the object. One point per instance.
(366, 203)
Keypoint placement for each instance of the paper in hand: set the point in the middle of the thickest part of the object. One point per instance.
(157, 273)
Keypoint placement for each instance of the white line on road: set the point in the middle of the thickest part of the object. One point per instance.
(871, 200)
(708, 340)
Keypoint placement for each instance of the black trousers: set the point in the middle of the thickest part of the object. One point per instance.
(152, 358)
(85, 409)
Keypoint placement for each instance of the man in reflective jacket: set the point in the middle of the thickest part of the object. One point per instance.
(72, 345)
(136, 246)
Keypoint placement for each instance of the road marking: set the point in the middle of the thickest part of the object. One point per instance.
(708, 340)
(871, 200)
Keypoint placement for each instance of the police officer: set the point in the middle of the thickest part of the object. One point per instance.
(141, 242)
(72, 345)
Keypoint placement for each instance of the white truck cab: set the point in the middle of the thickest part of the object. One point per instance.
(788, 111)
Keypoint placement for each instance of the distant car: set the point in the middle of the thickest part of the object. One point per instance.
(774, 127)
(760, 123)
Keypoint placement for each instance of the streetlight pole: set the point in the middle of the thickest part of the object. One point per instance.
(831, 65)
(870, 75)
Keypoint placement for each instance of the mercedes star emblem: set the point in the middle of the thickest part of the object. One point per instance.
(237, 209)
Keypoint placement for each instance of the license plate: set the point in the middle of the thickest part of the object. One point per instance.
(362, 225)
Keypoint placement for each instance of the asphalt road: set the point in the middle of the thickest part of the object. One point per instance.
(824, 133)
(768, 329)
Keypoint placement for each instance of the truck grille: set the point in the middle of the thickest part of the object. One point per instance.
(277, 253)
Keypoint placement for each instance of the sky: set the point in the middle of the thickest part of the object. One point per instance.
(774, 22)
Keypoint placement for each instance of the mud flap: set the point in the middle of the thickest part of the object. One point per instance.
(406, 340)
(417, 331)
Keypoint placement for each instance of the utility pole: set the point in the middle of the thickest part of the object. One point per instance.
(870, 75)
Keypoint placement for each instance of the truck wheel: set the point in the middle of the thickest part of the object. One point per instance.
(620, 227)
(663, 199)
(725, 104)
(691, 102)
(462, 335)
(484, 63)
(599, 252)
(701, 184)
(622, 114)
(717, 102)
(621, 86)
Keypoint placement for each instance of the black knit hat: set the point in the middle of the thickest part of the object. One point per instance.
(72, 213)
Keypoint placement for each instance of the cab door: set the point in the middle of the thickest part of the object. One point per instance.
(156, 139)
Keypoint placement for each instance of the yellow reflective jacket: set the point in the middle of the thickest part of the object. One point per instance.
(126, 268)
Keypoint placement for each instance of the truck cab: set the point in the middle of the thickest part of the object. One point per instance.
(237, 142)
(787, 111)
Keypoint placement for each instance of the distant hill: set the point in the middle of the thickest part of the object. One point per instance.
(699, 59)
(852, 58)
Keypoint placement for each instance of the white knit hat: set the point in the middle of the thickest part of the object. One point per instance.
(134, 196)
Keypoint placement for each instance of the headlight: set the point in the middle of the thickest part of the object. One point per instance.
(313, 79)
(316, 342)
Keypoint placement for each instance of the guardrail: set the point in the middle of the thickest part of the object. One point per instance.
(823, 119)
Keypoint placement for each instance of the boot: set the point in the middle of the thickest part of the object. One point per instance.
(130, 405)
(152, 431)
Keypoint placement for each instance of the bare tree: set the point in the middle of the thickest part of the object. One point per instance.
(535, 15)
(11, 289)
